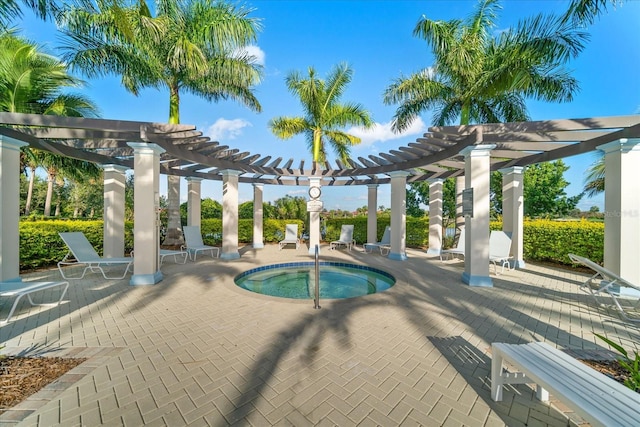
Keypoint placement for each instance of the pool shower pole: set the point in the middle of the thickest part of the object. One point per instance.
(316, 299)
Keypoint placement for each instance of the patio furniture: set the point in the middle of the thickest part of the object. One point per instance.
(177, 255)
(500, 249)
(290, 237)
(20, 289)
(84, 254)
(346, 238)
(458, 250)
(605, 282)
(600, 400)
(193, 242)
(384, 245)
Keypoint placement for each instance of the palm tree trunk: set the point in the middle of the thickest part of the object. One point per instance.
(32, 180)
(317, 134)
(51, 178)
(174, 104)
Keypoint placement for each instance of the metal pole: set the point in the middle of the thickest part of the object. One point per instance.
(316, 300)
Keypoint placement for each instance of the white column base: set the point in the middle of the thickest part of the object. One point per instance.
(398, 256)
(230, 255)
(480, 281)
(258, 245)
(433, 251)
(146, 279)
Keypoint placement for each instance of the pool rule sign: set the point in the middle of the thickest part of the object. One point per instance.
(314, 205)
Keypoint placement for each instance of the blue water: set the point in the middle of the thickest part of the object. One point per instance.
(297, 280)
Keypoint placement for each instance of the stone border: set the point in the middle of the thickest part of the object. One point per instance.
(96, 356)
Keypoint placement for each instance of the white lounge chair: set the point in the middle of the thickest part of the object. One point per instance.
(179, 257)
(20, 289)
(193, 242)
(500, 249)
(84, 254)
(290, 237)
(346, 238)
(384, 245)
(605, 282)
(457, 251)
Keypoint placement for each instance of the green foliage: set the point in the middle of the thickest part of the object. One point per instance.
(544, 190)
(289, 207)
(420, 193)
(632, 365)
(245, 210)
(417, 229)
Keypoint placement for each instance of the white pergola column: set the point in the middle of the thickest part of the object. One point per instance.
(194, 201)
(174, 226)
(622, 209)
(398, 215)
(114, 201)
(477, 172)
(146, 206)
(10, 209)
(513, 211)
(460, 183)
(372, 213)
(314, 207)
(258, 216)
(230, 214)
(435, 217)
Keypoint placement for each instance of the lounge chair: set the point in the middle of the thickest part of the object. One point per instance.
(500, 249)
(346, 238)
(290, 237)
(20, 289)
(383, 245)
(457, 251)
(177, 255)
(193, 242)
(84, 254)
(605, 282)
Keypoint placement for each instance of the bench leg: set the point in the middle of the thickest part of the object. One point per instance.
(496, 375)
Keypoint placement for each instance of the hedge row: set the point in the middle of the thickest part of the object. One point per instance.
(544, 240)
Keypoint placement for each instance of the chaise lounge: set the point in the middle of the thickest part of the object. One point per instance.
(19, 289)
(84, 254)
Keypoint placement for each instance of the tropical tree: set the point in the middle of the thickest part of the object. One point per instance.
(11, 10)
(586, 11)
(594, 184)
(482, 78)
(193, 46)
(32, 81)
(325, 116)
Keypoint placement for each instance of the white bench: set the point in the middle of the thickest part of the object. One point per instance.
(20, 289)
(597, 398)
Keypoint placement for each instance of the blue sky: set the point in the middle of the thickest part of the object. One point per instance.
(375, 39)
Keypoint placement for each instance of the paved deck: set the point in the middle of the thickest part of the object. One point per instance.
(196, 350)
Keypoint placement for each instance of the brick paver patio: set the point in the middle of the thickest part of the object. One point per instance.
(196, 350)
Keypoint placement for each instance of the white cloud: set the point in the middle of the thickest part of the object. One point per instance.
(224, 129)
(256, 52)
(382, 132)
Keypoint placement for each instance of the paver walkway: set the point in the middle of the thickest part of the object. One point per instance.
(196, 350)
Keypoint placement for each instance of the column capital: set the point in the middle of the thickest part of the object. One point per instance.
(193, 179)
(230, 172)
(257, 185)
(398, 174)
(512, 170)
(623, 145)
(11, 143)
(314, 181)
(114, 168)
(435, 181)
(146, 148)
(373, 185)
(477, 150)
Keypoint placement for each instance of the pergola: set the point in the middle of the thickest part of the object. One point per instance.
(468, 153)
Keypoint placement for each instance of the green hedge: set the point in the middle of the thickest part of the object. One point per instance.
(544, 240)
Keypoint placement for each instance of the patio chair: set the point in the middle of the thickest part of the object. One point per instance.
(605, 282)
(290, 237)
(84, 254)
(383, 245)
(346, 238)
(500, 249)
(457, 251)
(20, 289)
(193, 242)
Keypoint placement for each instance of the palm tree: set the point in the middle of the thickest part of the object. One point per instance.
(584, 12)
(479, 77)
(32, 81)
(324, 115)
(595, 178)
(197, 46)
(10, 10)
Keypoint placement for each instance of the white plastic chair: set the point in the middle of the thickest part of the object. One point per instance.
(290, 237)
(384, 245)
(458, 250)
(193, 242)
(81, 250)
(346, 238)
(20, 289)
(500, 249)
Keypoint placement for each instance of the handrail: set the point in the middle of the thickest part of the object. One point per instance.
(316, 299)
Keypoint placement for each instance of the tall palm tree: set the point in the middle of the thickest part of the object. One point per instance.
(197, 46)
(10, 10)
(478, 77)
(324, 116)
(586, 11)
(594, 178)
(32, 81)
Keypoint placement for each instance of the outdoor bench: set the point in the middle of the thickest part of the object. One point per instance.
(598, 399)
